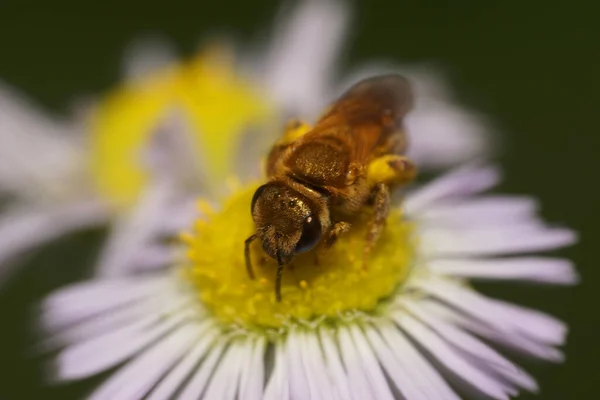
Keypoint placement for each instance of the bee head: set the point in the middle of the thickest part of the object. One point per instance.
(287, 222)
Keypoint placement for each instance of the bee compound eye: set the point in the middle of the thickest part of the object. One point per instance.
(257, 194)
(311, 233)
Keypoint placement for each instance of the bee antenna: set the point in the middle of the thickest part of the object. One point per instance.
(278, 277)
(247, 255)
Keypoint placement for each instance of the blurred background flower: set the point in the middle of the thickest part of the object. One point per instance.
(530, 65)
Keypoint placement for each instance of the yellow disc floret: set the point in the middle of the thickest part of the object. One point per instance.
(215, 103)
(338, 284)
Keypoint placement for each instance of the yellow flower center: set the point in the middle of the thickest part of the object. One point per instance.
(338, 286)
(217, 105)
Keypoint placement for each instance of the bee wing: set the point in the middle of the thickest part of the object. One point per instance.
(372, 112)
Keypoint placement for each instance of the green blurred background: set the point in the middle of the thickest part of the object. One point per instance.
(532, 66)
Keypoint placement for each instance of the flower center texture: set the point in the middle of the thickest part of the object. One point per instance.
(332, 291)
(216, 104)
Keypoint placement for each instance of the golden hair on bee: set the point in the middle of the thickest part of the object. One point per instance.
(319, 178)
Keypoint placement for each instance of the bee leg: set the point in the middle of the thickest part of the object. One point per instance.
(338, 229)
(330, 238)
(381, 207)
(391, 169)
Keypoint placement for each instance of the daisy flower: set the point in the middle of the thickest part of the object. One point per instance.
(176, 128)
(409, 326)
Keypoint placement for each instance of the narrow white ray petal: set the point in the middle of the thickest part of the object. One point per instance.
(300, 387)
(118, 318)
(461, 182)
(100, 353)
(513, 239)
(425, 375)
(24, 228)
(401, 375)
(483, 354)
(512, 340)
(536, 269)
(334, 365)
(80, 301)
(40, 157)
(315, 367)
(224, 383)
(301, 59)
(357, 380)
(182, 214)
(146, 55)
(278, 385)
(535, 324)
(138, 376)
(201, 378)
(448, 357)
(135, 231)
(154, 257)
(176, 378)
(501, 315)
(481, 211)
(369, 365)
(252, 375)
(443, 134)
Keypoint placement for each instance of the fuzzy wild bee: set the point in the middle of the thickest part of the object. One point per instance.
(319, 177)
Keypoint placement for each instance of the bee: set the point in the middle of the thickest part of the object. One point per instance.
(319, 178)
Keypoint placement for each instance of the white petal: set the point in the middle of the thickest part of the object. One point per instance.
(525, 237)
(100, 353)
(442, 134)
(481, 211)
(334, 365)
(302, 56)
(199, 381)
(369, 365)
(358, 382)
(137, 377)
(459, 183)
(176, 378)
(22, 229)
(450, 358)
(118, 318)
(536, 269)
(509, 318)
(424, 374)
(135, 231)
(315, 366)
(80, 301)
(513, 341)
(181, 216)
(278, 385)
(252, 376)
(300, 387)
(482, 354)
(226, 378)
(40, 158)
(399, 374)
(154, 257)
